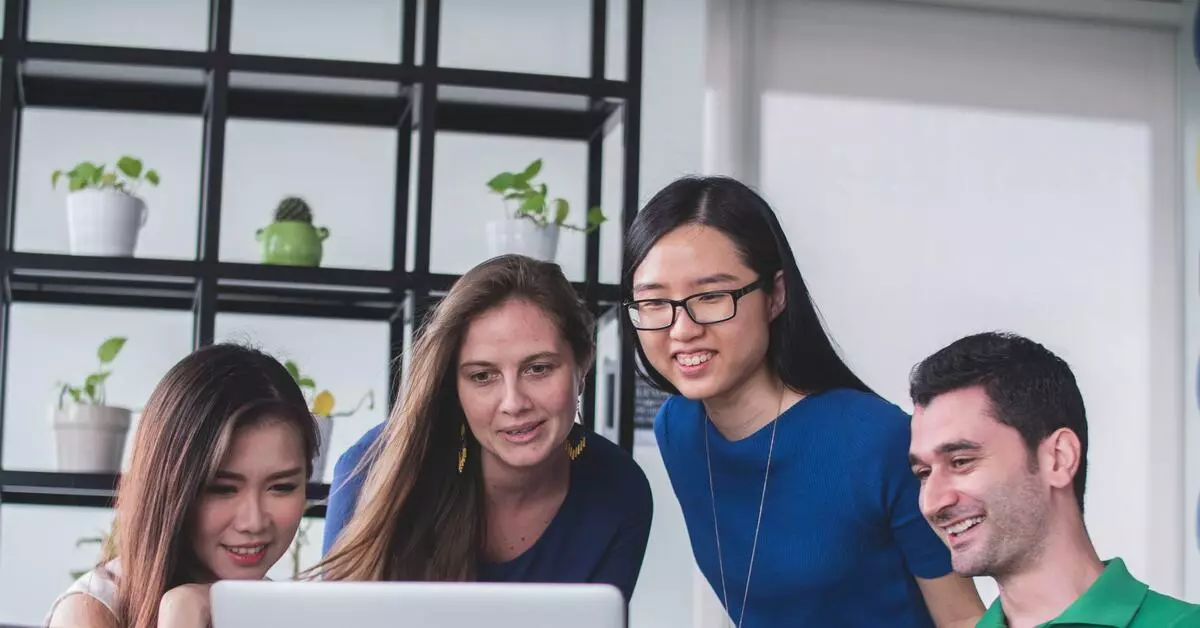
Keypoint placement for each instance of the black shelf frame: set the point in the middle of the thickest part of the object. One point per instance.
(418, 100)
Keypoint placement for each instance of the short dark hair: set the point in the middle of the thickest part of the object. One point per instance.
(1030, 388)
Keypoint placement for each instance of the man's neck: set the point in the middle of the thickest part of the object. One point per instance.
(512, 488)
(751, 405)
(1041, 591)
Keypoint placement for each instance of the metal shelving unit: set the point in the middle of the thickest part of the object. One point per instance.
(416, 99)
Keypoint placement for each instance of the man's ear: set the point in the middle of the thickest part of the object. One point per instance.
(1059, 457)
(778, 295)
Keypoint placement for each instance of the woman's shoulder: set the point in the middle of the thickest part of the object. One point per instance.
(608, 470)
(99, 584)
(864, 418)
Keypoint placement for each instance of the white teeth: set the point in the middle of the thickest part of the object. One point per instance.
(693, 359)
(964, 525)
(247, 550)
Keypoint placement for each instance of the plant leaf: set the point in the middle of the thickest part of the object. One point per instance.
(306, 382)
(109, 350)
(54, 178)
(109, 179)
(511, 195)
(95, 379)
(78, 182)
(152, 176)
(85, 170)
(130, 166)
(532, 170)
(502, 181)
(96, 174)
(292, 369)
(90, 390)
(595, 218)
(561, 209)
(75, 393)
(533, 202)
(323, 404)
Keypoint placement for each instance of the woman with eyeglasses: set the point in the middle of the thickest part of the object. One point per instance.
(792, 474)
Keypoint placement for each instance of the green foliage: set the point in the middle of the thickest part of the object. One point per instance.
(293, 208)
(126, 177)
(533, 201)
(321, 403)
(91, 391)
(106, 539)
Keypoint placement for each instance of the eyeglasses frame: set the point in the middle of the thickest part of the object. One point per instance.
(676, 304)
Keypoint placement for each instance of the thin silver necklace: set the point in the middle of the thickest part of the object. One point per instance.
(716, 531)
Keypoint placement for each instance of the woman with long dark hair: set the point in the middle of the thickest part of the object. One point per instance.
(482, 473)
(792, 474)
(215, 490)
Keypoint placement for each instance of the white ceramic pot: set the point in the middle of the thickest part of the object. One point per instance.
(104, 222)
(90, 439)
(523, 237)
(325, 426)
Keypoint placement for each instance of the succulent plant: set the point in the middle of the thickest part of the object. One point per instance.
(293, 208)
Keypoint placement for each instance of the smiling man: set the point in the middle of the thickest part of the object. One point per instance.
(999, 443)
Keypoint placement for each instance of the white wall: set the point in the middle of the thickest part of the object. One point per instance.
(347, 175)
(1189, 86)
(964, 170)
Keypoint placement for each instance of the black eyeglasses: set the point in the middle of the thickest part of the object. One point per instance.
(704, 308)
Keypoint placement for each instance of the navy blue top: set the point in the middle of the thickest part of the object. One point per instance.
(841, 535)
(598, 535)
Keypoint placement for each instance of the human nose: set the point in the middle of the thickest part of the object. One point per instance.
(251, 517)
(684, 328)
(937, 494)
(515, 400)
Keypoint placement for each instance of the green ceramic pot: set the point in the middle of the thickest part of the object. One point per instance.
(291, 243)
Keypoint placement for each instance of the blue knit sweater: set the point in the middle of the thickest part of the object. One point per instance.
(841, 535)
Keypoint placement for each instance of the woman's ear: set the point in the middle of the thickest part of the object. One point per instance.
(778, 295)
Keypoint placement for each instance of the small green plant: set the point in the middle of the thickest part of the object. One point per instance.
(533, 201)
(322, 402)
(92, 390)
(126, 177)
(293, 209)
(106, 539)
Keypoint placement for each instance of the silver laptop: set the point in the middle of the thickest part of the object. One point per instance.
(254, 604)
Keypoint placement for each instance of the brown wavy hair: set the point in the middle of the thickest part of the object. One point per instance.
(184, 433)
(416, 517)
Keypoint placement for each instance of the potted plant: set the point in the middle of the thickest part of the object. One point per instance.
(291, 239)
(321, 406)
(89, 433)
(531, 220)
(104, 212)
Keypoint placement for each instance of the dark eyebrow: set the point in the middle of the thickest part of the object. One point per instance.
(229, 475)
(951, 447)
(956, 446)
(703, 281)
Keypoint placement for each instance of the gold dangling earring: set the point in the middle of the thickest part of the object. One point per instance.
(462, 452)
(573, 451)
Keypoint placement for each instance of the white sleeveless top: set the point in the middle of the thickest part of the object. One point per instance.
(98, 583)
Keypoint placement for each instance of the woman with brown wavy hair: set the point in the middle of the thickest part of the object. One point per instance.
(215, 490)
(482, 472)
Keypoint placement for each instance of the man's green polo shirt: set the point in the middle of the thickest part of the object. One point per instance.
(1115, 599)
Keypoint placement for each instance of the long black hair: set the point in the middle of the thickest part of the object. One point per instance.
(800, 351)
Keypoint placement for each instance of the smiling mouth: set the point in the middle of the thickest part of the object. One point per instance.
(249, 550)
(959, 528)
(694, 359)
